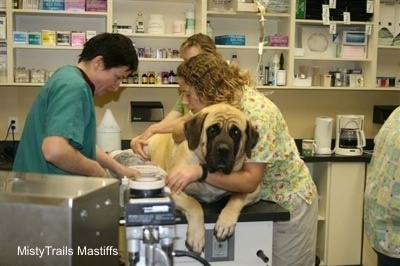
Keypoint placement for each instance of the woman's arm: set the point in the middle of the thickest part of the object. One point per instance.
(244, 181)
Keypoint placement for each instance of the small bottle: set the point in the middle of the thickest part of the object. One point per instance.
(209, 30)
(274, 69)
(234, 60)
(152, 78)
(145, 79)
(123, 191)
(115, 27)
(135, 78)
(158, 78)
(171, 77)
(139, 23)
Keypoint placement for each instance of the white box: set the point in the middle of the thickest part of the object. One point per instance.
(20, 37)
(3, 27)
(246, 6)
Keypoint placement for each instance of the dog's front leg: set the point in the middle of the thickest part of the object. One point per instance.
(195, 235)
(227, 219)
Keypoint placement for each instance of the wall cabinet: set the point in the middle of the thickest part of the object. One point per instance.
(340, 226)
(234, 22)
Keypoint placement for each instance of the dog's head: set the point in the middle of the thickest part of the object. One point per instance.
(221, 136)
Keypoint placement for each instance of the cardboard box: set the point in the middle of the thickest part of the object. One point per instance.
(75, 5)
(279, 41)
(3, 27)
(20, 37)
(63, 38)
(34, 38)
(49, 37)
(52, 4)
(78, 38)
(231, 40)
(300, 9)
(96, 5)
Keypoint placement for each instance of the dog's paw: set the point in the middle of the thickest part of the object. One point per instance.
(225, 226)
(195, 240)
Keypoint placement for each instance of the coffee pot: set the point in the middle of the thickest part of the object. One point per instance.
(350, 138)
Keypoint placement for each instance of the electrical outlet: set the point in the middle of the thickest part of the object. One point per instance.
(15, 119)
(219, 251)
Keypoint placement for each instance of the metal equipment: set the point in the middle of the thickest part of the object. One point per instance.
(58, 220)
(150, 224)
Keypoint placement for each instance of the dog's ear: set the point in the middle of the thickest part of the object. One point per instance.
(252, 138)
(193, 129)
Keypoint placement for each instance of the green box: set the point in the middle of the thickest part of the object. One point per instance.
(34, 38)
(301, 9)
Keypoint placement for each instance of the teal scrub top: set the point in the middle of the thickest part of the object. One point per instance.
(64, 107)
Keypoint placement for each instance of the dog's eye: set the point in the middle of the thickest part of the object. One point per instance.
(213, 130)
(235, 133)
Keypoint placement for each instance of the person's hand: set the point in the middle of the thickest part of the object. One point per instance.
(128, 172)
(137, 147)
(179, 177)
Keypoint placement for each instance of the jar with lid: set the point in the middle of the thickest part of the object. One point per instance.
(156, 24)
(145, 79)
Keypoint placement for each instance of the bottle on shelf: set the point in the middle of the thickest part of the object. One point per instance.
(234, 60)
(139, 25)
(274, 69)
(210, 30)
(152, 78)
(172, 77)
(115, 27)
(145, 79)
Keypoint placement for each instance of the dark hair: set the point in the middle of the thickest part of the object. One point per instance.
(116, 49)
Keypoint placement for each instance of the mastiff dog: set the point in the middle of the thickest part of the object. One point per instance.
(219, 137)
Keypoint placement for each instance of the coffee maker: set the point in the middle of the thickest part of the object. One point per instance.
(350, 138)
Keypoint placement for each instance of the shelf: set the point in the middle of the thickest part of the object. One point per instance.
(389, 47)
(48, 47)
(250, 47)
(319, 22)
(157, 36)
(58, 13)
(246, 15)
(333, 59)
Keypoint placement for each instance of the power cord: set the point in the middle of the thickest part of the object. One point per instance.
(11, 127)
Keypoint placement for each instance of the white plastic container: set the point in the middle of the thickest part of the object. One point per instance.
(156, 24)
(108, 133)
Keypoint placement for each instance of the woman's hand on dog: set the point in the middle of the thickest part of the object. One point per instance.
(179, 177)
(137, 146)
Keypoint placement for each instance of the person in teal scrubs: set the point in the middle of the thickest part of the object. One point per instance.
(59, 135)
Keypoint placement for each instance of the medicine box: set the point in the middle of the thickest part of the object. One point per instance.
(90, 34)
(279, 41)
(34, 38)
(78, 38)
(48, 37)
(20, 37)
(96, 5)
(75, 5)
(63, 38)
(230, 40)
(300, 9)
(52, 4)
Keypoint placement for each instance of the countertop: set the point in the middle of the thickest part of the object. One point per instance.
(260, 211)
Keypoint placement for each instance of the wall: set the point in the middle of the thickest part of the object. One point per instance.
(300, 107)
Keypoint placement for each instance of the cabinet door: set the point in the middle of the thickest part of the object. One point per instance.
(345, 213)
